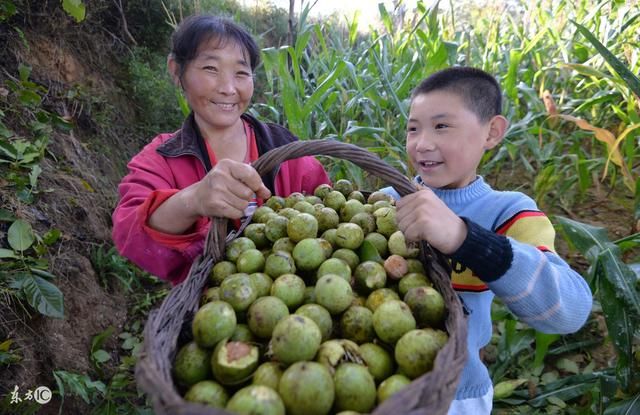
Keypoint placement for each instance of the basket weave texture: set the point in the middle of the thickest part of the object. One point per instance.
(431, 393)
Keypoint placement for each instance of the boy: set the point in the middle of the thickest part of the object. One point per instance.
(498, 243)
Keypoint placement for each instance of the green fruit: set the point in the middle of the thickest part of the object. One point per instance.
(344, 186)
(212, 294)
(293, 198)
(379, 241)
(295, 338)
(290, 289)
(239, 291)
(427, 306)
(283, 244)
(275, 202)
(415, 265)
(379, 296)
(262, 214)
(416, 351)
(357, 195)
(380, 204)
(391, 320)
(268, 374)
(327, 219)
(330, 236)
(191, 364)
(313, 200)
(234, 362)
(213, 322)
(304, 207)
(256, 232)
(334, 200)
(355, 388)
(391, 385)
(308, 254)
(350, 209)
(262, 283)
(256, 400)
(279, 263)
(250, 261)
(333, 293)
(320, 316)
(288, 212)
(208, 392)
(326, 247)
(222, 270)
(335, 266)
(307, 389)
(276, 228)
(412, 280)
(336, 351)
(370, 276)
(264, 314)
(366, 221)
(378, 195)
(348, 256)
(322, 190)
(398, 246)
(356, 324)
(302, 226)
(359, 301)
(309, 295)
(242, 333)
(238, 246)
(349, 235)
(378, 361)
(386, 221)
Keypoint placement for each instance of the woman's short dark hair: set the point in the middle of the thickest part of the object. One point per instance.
(198, 29)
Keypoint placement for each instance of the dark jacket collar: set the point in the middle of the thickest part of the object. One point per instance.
(188, 141)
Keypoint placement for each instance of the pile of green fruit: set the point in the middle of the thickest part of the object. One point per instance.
(320, 306)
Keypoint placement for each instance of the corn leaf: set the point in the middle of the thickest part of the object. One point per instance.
(609, 139)
(629, 78)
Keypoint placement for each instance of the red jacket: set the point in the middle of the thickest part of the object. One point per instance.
(172, 162)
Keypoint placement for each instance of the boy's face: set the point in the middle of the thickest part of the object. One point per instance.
(446, 140)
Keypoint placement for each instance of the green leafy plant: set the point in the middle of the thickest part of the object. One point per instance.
(25, 272)
(74, 384)
(615, 287)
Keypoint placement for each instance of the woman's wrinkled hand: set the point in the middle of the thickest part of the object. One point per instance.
(227, 190)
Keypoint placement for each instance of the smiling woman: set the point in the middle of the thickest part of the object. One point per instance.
(180, 180)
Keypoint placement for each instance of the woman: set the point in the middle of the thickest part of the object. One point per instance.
(180, 180)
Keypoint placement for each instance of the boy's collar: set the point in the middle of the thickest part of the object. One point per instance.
(421, 182)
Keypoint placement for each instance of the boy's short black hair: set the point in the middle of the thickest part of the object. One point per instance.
(198, 29)
(479, 90)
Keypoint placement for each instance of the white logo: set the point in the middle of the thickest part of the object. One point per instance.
(42, 395)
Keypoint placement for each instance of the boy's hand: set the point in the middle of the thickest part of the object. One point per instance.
(423, 216)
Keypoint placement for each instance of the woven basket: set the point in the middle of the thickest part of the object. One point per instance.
(431, 393)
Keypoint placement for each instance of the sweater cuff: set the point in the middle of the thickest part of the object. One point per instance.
(486, 253)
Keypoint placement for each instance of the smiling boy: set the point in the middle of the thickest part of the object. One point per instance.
(499, 242)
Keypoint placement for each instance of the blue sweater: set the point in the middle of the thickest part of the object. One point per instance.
(509, 253)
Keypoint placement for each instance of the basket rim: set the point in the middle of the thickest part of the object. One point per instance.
(153, 369)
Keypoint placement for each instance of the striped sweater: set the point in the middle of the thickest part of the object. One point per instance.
(508, 253)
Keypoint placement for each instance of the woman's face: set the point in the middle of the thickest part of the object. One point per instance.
(218, 84)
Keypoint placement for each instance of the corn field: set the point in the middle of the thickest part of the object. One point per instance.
(569, 76)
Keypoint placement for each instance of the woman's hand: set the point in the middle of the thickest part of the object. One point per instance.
(227, 190)
(423, 216)
(224, 192)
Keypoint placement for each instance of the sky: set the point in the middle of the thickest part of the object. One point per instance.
(368, 8)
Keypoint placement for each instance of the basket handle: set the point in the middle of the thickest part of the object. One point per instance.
(214, 245)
